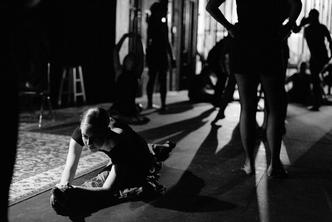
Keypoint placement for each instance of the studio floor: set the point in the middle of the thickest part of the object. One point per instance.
(202, 175)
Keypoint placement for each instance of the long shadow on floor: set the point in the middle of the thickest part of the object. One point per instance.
(209, 176)
(186, 196)
(306, 194)
(173, 108)
(180, 128)
(68, 128)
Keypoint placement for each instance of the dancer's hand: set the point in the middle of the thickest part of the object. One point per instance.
(286, 31)
(60, 186)
(296, 28)
(304, 21)
(63, 186)
(232, 31)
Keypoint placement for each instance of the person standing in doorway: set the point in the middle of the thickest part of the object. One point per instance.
(257, 58)
(157, 53)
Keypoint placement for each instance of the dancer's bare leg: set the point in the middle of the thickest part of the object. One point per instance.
(247, 85)
(274, 92)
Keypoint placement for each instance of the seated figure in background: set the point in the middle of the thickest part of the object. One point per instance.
(300, 91)
(127, 76)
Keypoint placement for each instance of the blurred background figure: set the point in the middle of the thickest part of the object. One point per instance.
(315, 35)
(225, 90)
(300, 91)
(218, 64)
(158, 52)
(327, 79)
(215, 83)
(127, 75)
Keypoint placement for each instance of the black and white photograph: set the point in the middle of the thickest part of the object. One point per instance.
(166, 110)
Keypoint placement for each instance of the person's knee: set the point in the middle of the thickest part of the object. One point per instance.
(59, 201)
(248, 105)
(67, 201)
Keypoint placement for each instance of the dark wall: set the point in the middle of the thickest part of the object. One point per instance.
(66, 33)
(101, 57)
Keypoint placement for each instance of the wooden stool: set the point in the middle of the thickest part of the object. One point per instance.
(75, 85)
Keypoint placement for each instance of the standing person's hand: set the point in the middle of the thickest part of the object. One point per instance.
(296, 28)
(304, 21)
(233, 31)
(286, 31)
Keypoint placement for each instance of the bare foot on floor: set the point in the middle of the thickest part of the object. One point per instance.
(277, 172)
(162, 151)
(248, 169)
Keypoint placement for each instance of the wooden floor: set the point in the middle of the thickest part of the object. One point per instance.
(202, 176)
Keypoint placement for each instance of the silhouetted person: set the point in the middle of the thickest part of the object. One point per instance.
(201, 84)
(300, 91)
(216, 63)
(227, 97)
(327, 77)
(256, 57)
(316, 34)
(225, 89)
(285, 7)
(158, 52)
(126, 78)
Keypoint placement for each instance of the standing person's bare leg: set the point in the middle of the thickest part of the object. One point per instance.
(150, 87)
(274, 91)
(163, 88)
(247, 85)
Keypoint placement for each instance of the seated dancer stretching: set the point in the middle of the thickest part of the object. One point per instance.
(133, 170)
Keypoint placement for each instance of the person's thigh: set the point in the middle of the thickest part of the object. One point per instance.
(274, 91)
(247, 87)
(162, 75)
(152, 72)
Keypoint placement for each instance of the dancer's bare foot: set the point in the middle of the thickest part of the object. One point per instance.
(162, 151)
(277, 172)
(248, 168)
(152, 106)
